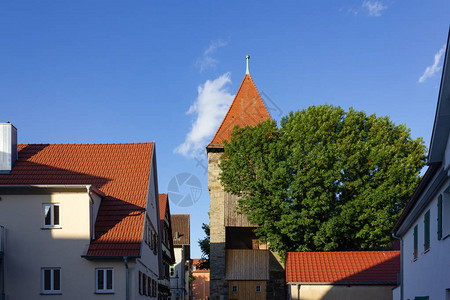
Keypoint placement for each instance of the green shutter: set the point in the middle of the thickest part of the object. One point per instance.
(439, 218)
(427, 230)
(415, 241)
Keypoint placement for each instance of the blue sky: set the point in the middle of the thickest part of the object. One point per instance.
(130, 71)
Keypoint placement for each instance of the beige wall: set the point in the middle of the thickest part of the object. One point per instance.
(30, 248)
(340, 292)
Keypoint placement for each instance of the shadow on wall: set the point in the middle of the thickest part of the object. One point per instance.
(200, 287)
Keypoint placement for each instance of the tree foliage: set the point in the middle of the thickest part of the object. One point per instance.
(204, 247)
(325, 180)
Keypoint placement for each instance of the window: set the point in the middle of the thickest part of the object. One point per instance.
(104, 280)
(194, 268)
(150, 286)
(416, 242)
(144, 285)
(426, 222)
(234, 288)
(258, 288)
(445, 216)
(421, 298)
(439, 218)
(51, 215)
(51, 280)
(140, 283)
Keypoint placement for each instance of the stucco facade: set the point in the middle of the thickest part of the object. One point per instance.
(339, 292)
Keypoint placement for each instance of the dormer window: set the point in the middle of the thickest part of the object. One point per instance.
(51, 216)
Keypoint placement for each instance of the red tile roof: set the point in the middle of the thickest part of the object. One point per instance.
(180, 224)
(247, 109)
(162, 206)
(194, 262)
(120, 171)
(357, 267)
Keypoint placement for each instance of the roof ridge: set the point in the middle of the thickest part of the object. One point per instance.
(82, 144)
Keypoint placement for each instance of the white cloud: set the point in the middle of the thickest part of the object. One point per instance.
(206, 60)
(434, 68)
(374, 8)
(210, 107)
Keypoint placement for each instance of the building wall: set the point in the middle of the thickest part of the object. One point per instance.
(221, 205)
(149, 262)
(30, 248)
(428, 274)
(218, 285)
(179, 282)
(200, 286)
(340, 292)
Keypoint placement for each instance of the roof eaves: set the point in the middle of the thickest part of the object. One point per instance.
(422, 191)
(437, 143)
(344, 283)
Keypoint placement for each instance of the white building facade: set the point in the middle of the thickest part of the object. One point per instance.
(424, 226)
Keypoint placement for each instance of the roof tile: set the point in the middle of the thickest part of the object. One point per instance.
(247, 108)
(357, 267)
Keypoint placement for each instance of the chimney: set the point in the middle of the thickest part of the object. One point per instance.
(8, 147)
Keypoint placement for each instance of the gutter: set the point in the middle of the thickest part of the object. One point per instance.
(401, 263)
(127, 278)
(342, 283)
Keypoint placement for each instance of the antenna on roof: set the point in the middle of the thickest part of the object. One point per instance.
(247, 57)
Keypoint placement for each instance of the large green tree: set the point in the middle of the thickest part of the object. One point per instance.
(325, 180)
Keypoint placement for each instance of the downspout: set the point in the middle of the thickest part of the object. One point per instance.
(401, 263)
(127, 278)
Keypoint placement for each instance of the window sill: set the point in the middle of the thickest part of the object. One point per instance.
(51, 293)
(428, 250)
(104, 292)
(54, 227)
(444, 237)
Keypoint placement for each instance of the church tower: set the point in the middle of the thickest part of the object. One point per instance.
(241, 267)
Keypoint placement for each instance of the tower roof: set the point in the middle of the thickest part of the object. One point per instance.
(247, 108)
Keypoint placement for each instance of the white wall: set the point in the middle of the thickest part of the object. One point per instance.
(29, 248)
(179, 270)
(149, 262)
(429, 275)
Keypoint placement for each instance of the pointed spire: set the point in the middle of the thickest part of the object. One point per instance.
(247, 108)
(247, 57)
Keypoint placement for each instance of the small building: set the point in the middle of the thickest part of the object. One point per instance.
(179, 272)
(362, 275)
(78, 221)
(424, 226)
(167, 257)
(200, 285)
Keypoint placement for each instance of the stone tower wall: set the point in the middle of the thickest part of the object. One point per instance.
(218, 284)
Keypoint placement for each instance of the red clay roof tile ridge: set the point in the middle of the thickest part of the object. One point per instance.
(137, 143)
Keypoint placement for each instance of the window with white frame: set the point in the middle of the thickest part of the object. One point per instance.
(104, 280)
(51, 215)
(258, 288)
(234, 288)
(51, 280)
